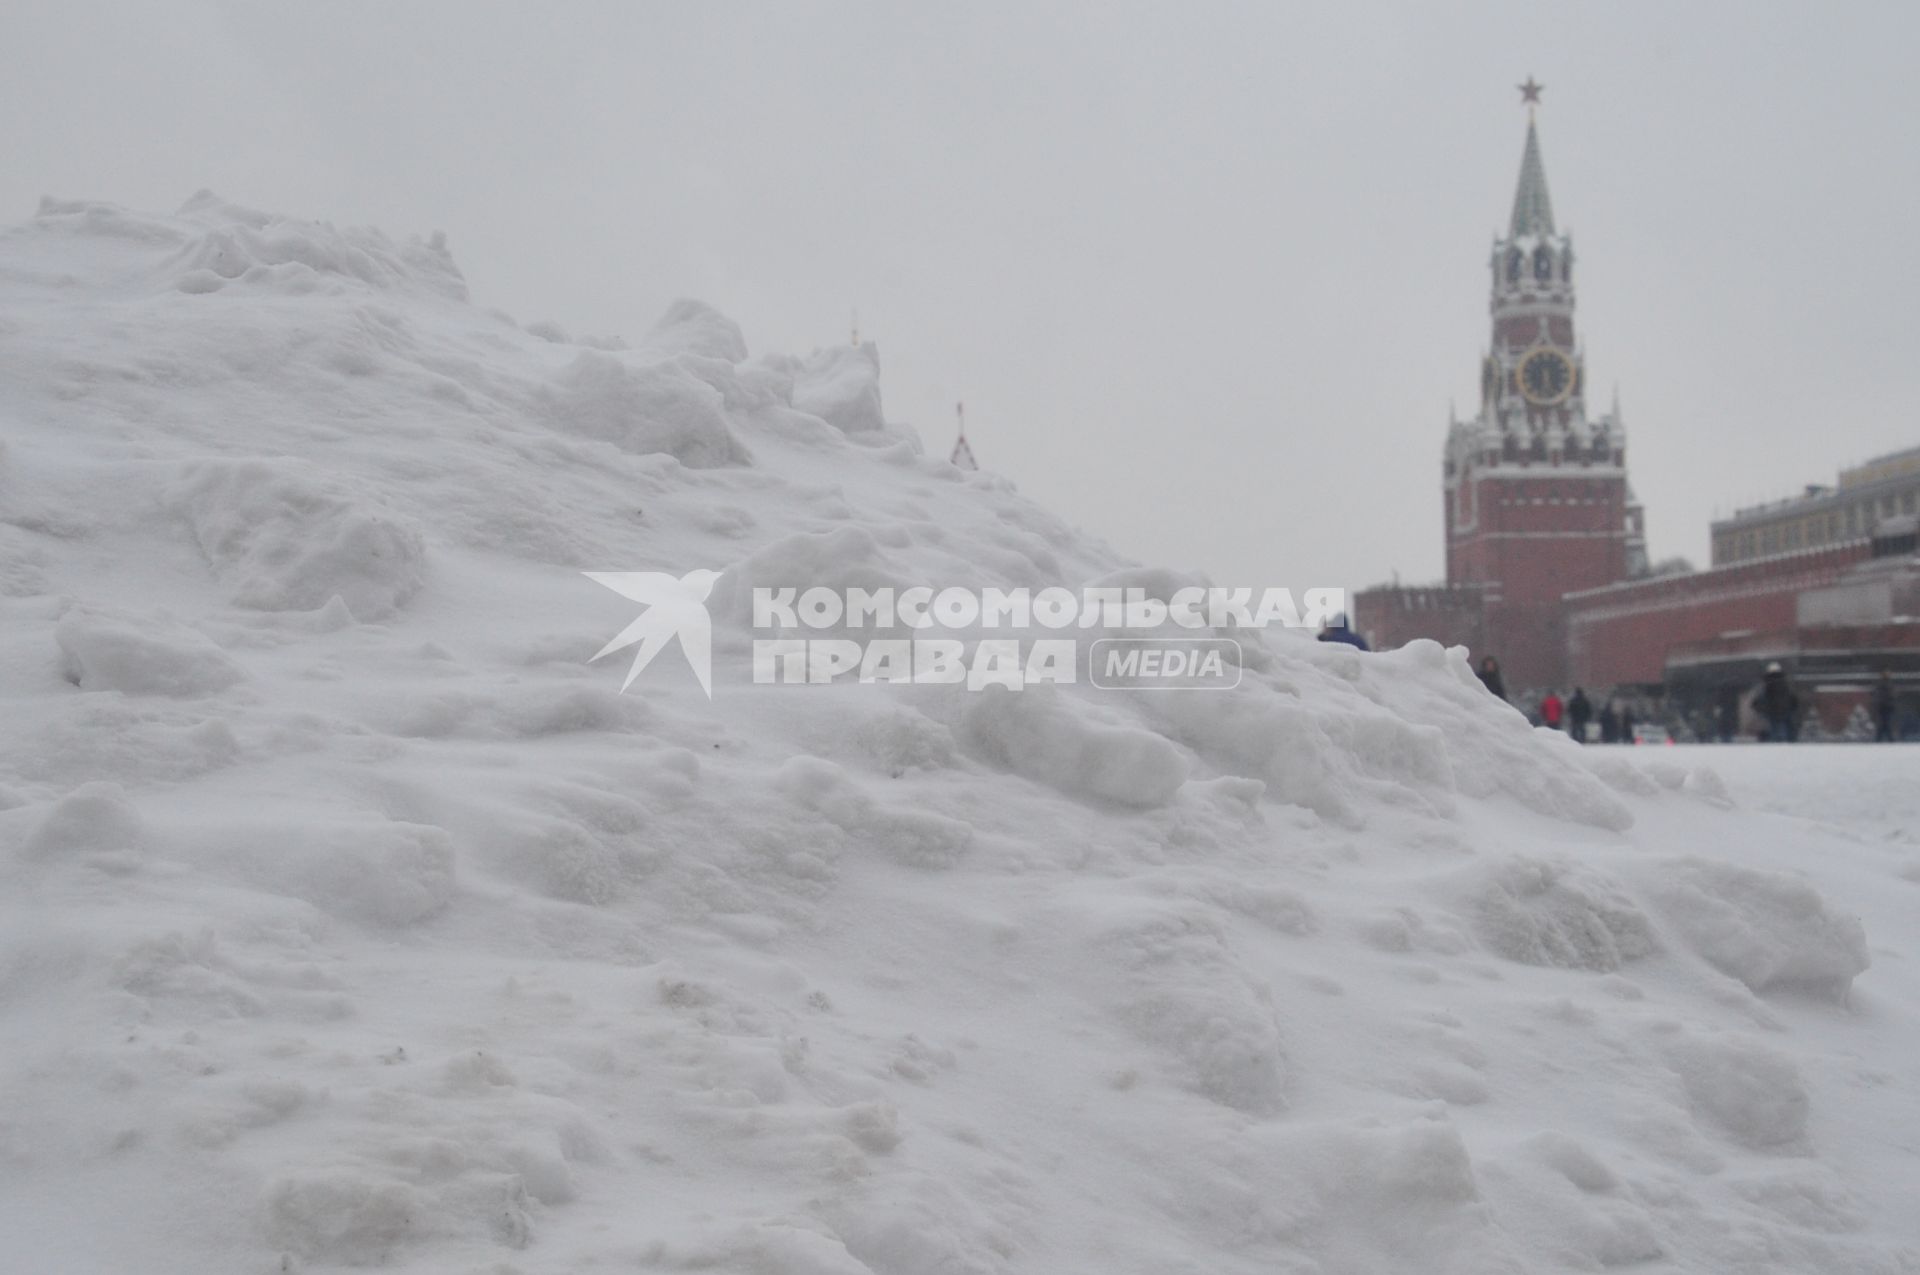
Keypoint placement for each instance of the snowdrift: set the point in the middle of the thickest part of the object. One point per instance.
(351, 917)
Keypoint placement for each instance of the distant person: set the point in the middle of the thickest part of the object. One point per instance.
(1729, 722)
(1579, 713)
(1337, 631)
(1776, 702)
(1610, 724)
(1552, 710)
(1491, 679)
(1883, 708)
(1626, 723)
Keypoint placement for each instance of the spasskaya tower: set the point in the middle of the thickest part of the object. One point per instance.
(1535, 483)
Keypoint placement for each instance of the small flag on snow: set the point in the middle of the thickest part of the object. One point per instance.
(962, 457)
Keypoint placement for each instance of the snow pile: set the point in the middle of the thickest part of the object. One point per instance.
(350, 916)
(1559, 913)
(258, 248)
(1767, 929)
(1034, 734)
(841, 385)
(283, 537)
(696, 328)
(93, 819)
(663, 409)
(143, 655)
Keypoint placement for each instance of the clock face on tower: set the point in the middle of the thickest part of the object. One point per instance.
(1546, 377)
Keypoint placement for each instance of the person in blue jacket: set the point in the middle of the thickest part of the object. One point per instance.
(1337, 631)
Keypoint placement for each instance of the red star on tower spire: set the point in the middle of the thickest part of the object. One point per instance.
(1530, 92)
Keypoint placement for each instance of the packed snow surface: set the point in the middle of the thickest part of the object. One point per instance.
(351, 917)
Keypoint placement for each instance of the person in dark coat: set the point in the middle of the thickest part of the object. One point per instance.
(1491, 679)
(1883, 708)
(1337, 631)
(1776, 702)
(1579, 713)
(1610, 724)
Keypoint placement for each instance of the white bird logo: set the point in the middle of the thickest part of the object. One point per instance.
(676, 607)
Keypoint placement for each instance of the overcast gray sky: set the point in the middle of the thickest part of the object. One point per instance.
(1205, 274)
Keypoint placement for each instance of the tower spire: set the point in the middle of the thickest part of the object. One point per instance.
(1532, 209)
